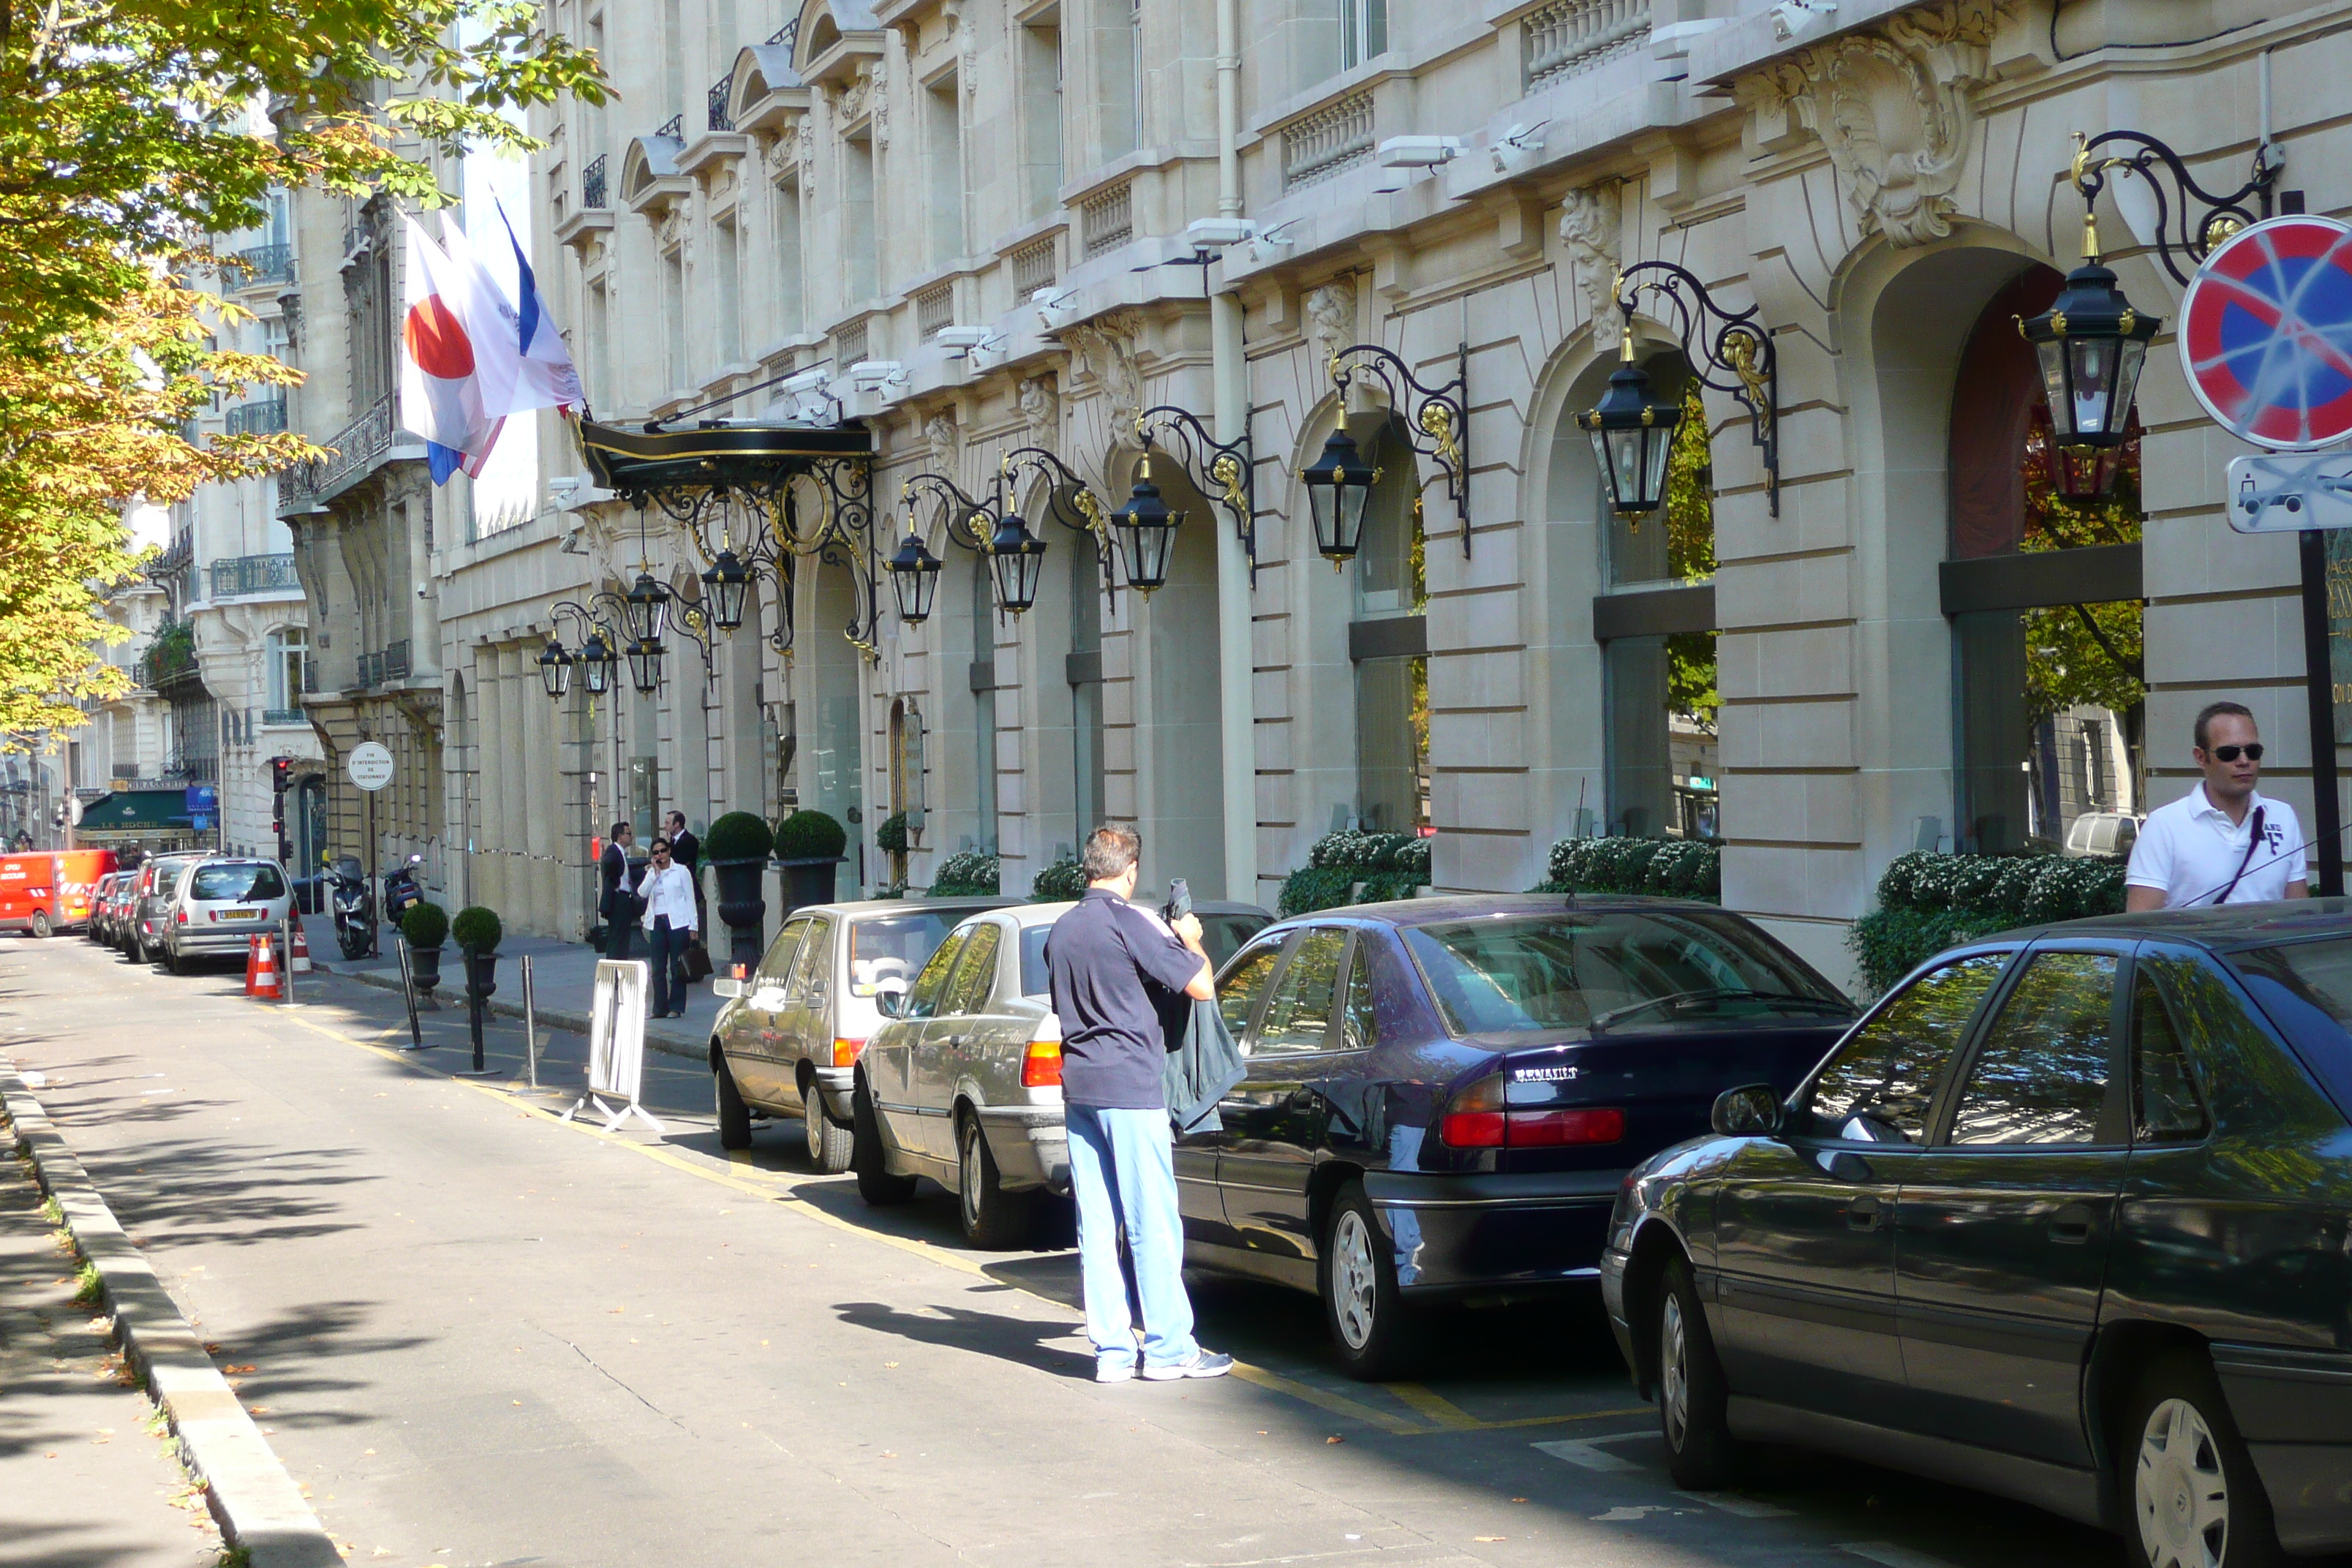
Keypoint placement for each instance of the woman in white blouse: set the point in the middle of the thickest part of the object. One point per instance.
(667, 889)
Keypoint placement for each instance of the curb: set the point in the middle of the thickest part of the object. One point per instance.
(558, 1017)
(255, 1500)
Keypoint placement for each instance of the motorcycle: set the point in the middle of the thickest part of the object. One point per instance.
(401, 892)
(354, 903)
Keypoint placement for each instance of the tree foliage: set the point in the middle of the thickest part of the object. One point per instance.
(1690, 557)
(2089, 654)
(129, 130)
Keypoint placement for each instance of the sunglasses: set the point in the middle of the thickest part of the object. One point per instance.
(2253, 753)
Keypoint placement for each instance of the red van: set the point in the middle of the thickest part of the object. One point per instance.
(46, 892)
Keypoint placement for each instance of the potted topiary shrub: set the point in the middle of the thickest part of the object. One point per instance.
(426, 927)
(808, 847)
(736, 847)
(476, 930)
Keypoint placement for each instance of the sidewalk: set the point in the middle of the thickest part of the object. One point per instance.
(563, 984)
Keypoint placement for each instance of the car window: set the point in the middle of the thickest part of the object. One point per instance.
(2166, 1106)
(923, 999)
(1879, 1086)
(1037, 979)
(1358, 1030)
(776, 968)
(1237, 997)
(1570, 969)
(2042, 1074)
(975, 971)
(1223, 935)
(892, 947)
(1298, 1016)
(812, 965)
(2306, 989)
(233, 882)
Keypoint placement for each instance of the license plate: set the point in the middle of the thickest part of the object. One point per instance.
(240, 914)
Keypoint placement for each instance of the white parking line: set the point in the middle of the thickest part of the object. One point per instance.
(1586, 1451)
(1888, 1555)
(1739, 1507)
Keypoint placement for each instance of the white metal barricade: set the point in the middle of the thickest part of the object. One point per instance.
(616, 1045)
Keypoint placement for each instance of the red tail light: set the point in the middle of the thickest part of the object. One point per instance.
(1041, 1065)
(1477, 1118)
(181, 917)
(1551, 1129)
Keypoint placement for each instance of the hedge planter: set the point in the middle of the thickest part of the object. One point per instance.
(481, 974)
(741, 908)
(807, 881)
(425, 974)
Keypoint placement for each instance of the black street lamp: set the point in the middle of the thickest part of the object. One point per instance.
(555, 668)
(725, 583)
(645, 665)
(1438, 428)
(1016, 557)
(1147, 534)
(648, 605)
(596, 662)
(2091, 344)
(1633, 432)
(914, 576)
(1339, 486)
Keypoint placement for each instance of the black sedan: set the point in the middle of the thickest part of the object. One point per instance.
(1443, 1094)
(2067, 1216)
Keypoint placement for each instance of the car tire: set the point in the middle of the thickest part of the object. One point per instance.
(2191, 1493)
(992, 1218)
(1692, 1395)
(1372, 1330)
(830, 1144)
(41, 928)
(734, 1116)
(876, 1185)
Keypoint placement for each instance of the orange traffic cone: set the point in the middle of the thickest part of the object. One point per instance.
(265, 982)
(299, 962)
(252, 960)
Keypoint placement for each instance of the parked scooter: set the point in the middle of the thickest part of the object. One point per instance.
(354, 901)
(401, 892)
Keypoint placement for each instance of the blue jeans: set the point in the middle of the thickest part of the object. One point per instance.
(665, 944)
(1123, 1173)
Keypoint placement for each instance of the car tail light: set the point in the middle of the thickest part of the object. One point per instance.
(845, 1052)
(181, 917)
(1041, 1065)
(1477, 1118)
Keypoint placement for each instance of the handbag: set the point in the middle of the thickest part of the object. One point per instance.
(696, 961)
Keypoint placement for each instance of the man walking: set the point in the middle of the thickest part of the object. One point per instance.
(669, 922)
(2225, 842)
(616, 905)
(1111, 967)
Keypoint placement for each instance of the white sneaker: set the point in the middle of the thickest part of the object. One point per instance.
(1201, 1364)
(1114, 1372)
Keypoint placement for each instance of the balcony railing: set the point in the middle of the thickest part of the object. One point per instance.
(1033, 268)
(262, 264)
(1331, 139)
(786, 36)
(395, 661)
(1107, 218)
(262, 417)
(298, 484)
(674, 128)
(253, 574)
(849, 346)
(715, 105)
(1573, 35)
(370, 672)
(591, 185)
(935, 310)
(357, 446)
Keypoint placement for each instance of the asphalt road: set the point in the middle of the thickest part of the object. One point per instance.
(480, 1336)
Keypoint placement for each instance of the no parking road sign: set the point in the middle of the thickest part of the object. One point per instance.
(2266, 333)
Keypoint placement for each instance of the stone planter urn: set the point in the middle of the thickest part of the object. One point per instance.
(481, 974)
(741, 908)
(807, 881)
(425, 974)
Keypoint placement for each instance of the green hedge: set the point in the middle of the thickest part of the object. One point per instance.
(972, 873)
(739, 836)
(1928, 902)
(1057, 883)
(1388, 864)
(891, 836)
(477, 927)
(1667, 867)
(810, 835)
(426, 926)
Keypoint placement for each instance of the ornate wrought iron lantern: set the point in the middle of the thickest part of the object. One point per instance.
(914, 576)
(1016, 558)
(555, 668)
(1339, 486)
(645, 664)
(1145, 528)
(1633, 432)
(724, 584)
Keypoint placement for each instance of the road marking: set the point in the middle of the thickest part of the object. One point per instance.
(1338, 1403)
(1434, 1407)
(1739, 1507)
(1629, 1513)
(1889, 1556)
(1588, 1453)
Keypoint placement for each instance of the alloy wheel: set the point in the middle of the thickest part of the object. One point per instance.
(968, 1176)
(1674, 1371)
(2180, 1492)
(1355, 1285)
(813, 1121)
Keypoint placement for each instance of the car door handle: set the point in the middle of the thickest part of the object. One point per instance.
(1863, 1213)
(2071, 1225)
(954, 1040)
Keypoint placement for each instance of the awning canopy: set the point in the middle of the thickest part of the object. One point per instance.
(137, 810)
(716, 454)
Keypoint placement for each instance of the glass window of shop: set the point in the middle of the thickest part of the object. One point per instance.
(1390, 641)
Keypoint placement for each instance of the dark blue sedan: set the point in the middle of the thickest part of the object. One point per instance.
(1443, 1094)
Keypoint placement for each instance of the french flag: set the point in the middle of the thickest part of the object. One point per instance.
(441, 380)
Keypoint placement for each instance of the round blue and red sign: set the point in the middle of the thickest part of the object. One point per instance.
(2266, 333)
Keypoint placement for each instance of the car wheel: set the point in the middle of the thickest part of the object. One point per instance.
(41, 928)
(734, 1116)
(2195, 1501)
(1700, 1453)
(1371, 1326)
(991, 1216)
(174, 961)
(829, 1143)
(876, 1185)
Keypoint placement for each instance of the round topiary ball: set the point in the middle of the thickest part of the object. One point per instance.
(810, 835)
(426, 926)
(739, 836)
(478, 928)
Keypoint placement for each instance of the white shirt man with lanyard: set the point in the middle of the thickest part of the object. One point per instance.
(2225, 842)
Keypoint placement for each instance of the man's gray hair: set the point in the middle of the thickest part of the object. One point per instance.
(1111, 849)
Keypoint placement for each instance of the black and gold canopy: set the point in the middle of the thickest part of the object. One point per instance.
(716, 454)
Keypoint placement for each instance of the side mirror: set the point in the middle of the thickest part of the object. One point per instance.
(890, 1003)
(1752, 1111)
(727, 988)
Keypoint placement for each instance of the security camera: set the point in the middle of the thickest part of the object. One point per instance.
(1058, 308)
(874, 374)
(565, 485)
(1418, 152)
(420, 590)
(808, 381)
(1800, 21)
(1518, 147)
(1217, 233)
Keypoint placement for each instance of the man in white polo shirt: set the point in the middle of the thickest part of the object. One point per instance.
(2225, 842)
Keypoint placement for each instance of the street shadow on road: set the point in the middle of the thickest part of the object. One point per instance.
(313, 1352)
(194, 1192)
(1017, 1340)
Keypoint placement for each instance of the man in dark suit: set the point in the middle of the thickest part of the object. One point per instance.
(685, 849)
(617, 904)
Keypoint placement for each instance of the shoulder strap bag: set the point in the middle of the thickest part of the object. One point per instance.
(2253, 842)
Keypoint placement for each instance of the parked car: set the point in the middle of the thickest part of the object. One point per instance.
(217, 906)
(2102, 832)
(964, 1084)
(2064, 1217)
(44, 892)
(101, 896)
(1443, 1093)
(151, 904)
(786, 1038)
(122, 908)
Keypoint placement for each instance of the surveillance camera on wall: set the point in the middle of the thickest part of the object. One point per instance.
(874, 374)
(1518, 148)
(1218, 233)
(808, 381)
(564, 486)
(1418, 152)
(1801, 21)
(1058, 308)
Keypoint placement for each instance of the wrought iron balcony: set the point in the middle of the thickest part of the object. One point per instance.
(592, 184)
(262, 417)
(715, 105)
(244, 574)
(674, 128)
(358, 447)
(394, 664)
(262, 264)
(283, 716)
(785, 35)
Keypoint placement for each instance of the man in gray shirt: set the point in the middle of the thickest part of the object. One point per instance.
(1114, 970)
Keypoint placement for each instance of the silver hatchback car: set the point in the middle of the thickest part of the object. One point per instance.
(217, 906)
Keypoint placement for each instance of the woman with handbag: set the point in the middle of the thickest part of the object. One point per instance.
(669, 924)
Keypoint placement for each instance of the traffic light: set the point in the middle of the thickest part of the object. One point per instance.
(280, 770)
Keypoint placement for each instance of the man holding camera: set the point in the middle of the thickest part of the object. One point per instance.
(1112, 967)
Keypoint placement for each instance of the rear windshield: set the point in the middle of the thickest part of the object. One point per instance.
(894, 947)
(236, 883)
(1512, 974)
(2306, 988)
(1034, 980)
